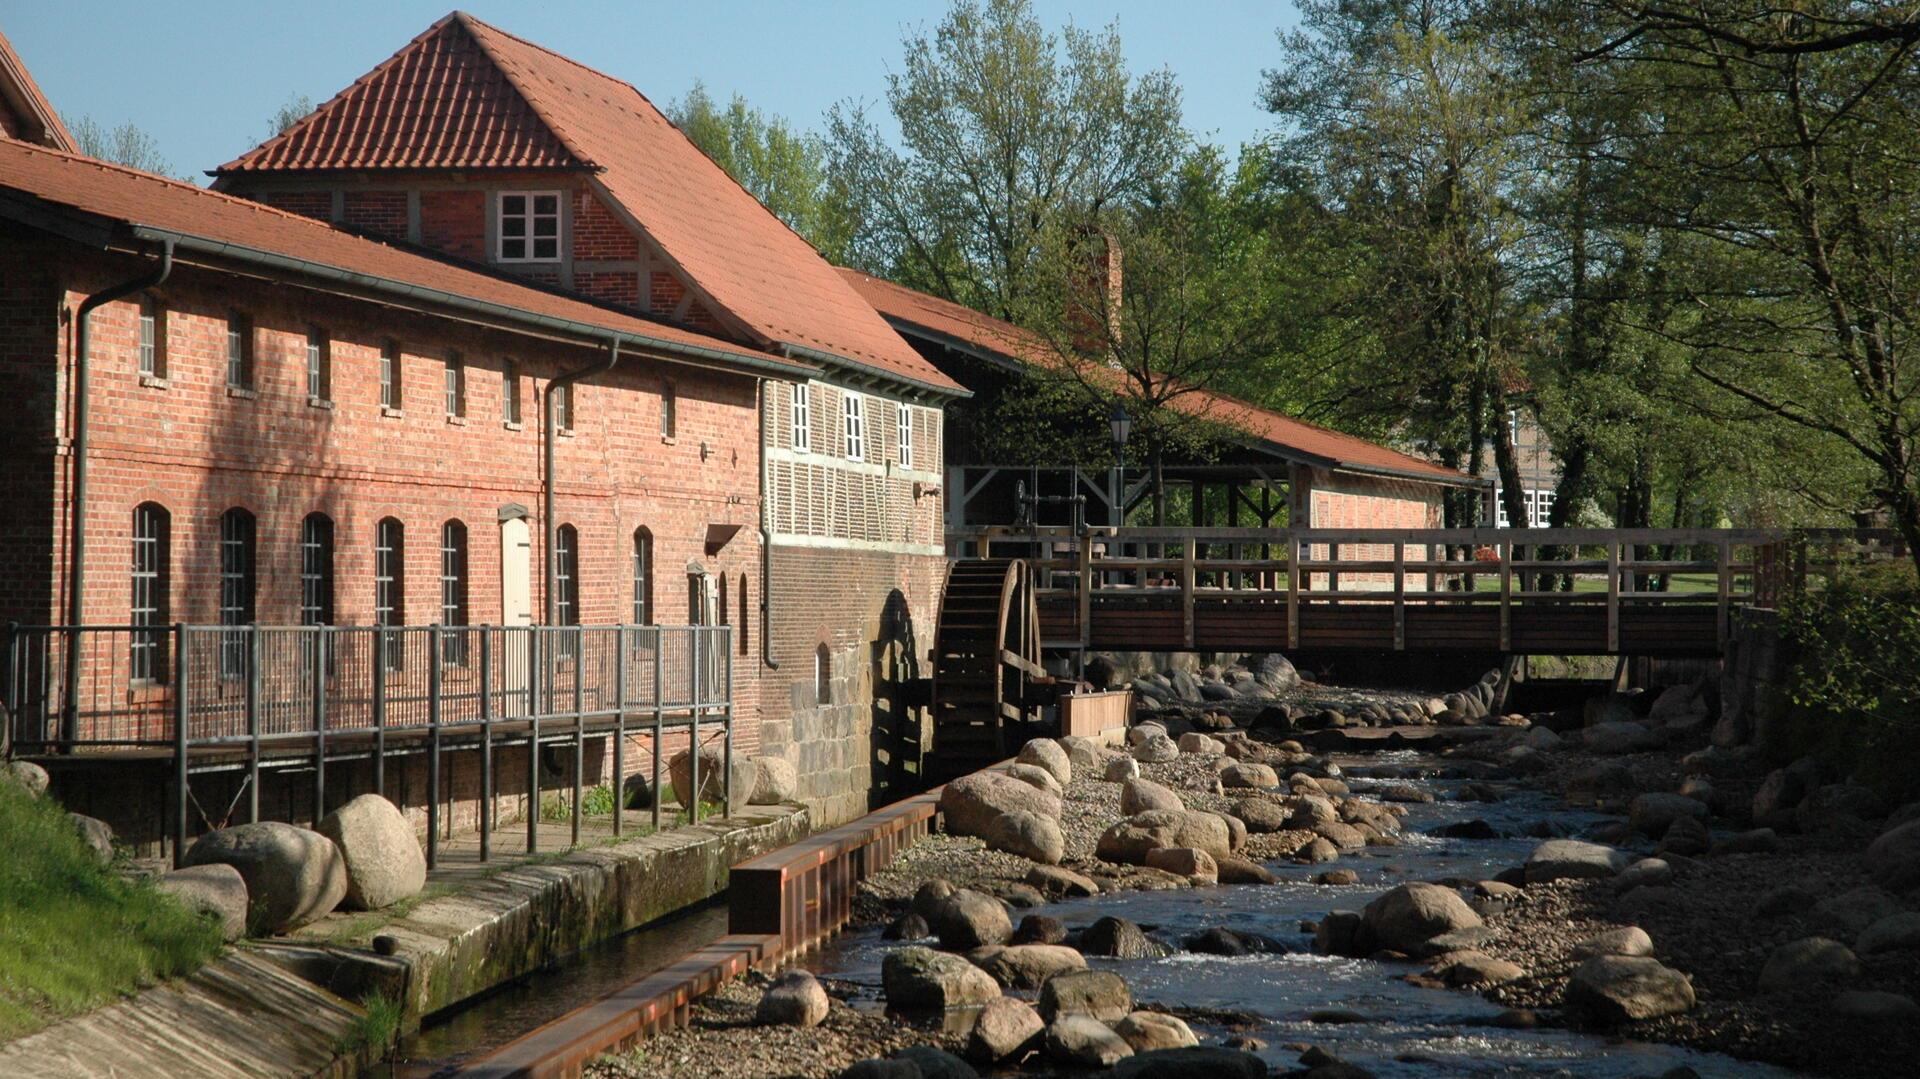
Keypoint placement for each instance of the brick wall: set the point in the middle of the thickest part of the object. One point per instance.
(455, 222)
(29, 381)
(197, 448)
(1341, 500)
(376, 211)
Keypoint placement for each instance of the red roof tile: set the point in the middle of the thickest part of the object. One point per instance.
(143, 199)
(439, 103)
(972, 329)
(21, 95)
(762, 274)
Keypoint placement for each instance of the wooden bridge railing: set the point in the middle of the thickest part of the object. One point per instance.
(1677, 588)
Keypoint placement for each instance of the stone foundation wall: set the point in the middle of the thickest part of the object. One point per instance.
(1753, 680)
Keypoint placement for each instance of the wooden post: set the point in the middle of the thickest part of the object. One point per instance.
(1293, 591)
(1506, 596)
(435, 688)
(1613, 595)
(1399, 595)
(253, 720)
(1187, 584)
(1085, 590)
(1725, 590)
(181, 795)
(486, 743)
(619, 724)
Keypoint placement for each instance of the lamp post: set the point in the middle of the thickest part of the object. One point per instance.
(1122, 426)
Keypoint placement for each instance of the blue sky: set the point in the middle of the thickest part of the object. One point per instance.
(202, 76)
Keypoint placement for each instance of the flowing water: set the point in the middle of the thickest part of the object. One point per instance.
(1406, 1031)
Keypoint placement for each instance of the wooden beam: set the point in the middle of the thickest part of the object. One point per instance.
(1399, 597)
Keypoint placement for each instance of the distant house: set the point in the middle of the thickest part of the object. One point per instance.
(1278, 470)
(25, 115)
(1539, 471)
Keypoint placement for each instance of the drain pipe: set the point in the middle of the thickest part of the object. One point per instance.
(766, 543)
(77, 543)
(563, 381)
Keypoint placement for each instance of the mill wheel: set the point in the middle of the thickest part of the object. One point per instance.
(986, 665)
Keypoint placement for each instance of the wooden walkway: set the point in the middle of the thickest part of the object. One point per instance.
(1650, 592)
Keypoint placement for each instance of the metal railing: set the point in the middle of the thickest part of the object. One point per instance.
(248, 696)
(1412, 569)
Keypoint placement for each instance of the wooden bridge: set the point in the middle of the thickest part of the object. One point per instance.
(1645, 592)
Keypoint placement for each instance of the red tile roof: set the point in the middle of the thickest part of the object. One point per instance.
(142, 199)
(969, 329)
(418, 113)
(21, 95)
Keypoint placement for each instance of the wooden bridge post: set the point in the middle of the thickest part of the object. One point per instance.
(1613, 595)
(1724, 554)
(1399, 595)
(1085, 559)
(1187, 584)
(1506, 595)
(1293, 591)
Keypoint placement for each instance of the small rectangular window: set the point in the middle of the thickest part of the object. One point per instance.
(456, 380)
(802, 418)
(903, 425)
(529, 226)
(669, 411)
(509, 392)
(239, 351)
(854, 407)
(390, 374)
(319, 364)
(153, 338)
(562, 407)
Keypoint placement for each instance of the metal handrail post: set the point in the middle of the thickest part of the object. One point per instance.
(659, 721)
(253, 723)
(319, 724)
(380, 712)
(486, 743)
(434, 687)
(533, 739)
(619, 724)
(693, 733)
(180, 743)
(579, 728)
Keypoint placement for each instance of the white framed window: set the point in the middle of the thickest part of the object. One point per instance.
(153, 338)
(854, 407)
(456, 385)
(903, 426)
(509, 392)
(239, 351)
(319, 364)
(390, 376)
(802, 418)
(669, 411)
(528, 226)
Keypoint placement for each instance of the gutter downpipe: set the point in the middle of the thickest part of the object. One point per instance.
(77, 541)
(766, 542)
(561, 382)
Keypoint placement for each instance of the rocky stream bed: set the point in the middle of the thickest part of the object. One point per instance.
(1599, 893)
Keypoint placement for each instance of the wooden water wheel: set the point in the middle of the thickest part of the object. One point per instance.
(987, 678)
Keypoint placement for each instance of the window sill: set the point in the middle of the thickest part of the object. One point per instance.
(155, 382)
(513, 426)
(392, 413)
(320, 402)
(457, 421)
(564, 432)
(669, 440)
(243, 392)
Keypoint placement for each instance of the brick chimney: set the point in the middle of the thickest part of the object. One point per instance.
(1100, 286)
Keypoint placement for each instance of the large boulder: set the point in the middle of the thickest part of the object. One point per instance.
(1197, 866)
(1119, 938)
(1144, 795)
(970, 804)
(1260, 815)
(293, 875)
(1894, 858)
(1156, 749)
(1185, 686)
(1082, 1041)
(96, 834)
(1405, 918)
(1128, 840)
(1028, 966)
(1147, 1031)
(1626, 940)
(1097, 993)
(1273, 671)
(1006, 1029)
(1557, 859)
(1848, 914)
(1612, 989)
(1034, 776)
(1086, 755)
(713, 776)
(1205, 745)
(1893, 933)
(383, 857)
(1808, 961)
(1208, 1062)
(26, 775)
(1054, 881)
(795, 999)
(216, 891)
(1120, 768)
(1615, 738)
(1247, 774)
(932, 1063)
(1047, 753)
(1653, 813)
(969, 919)
(1034, 838)
(776, 781)
(917, 978)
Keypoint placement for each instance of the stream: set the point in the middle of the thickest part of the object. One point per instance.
(1407, 1031)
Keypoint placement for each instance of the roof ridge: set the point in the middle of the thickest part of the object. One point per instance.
(468, 22)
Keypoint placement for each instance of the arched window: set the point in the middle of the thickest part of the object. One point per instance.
(152, 543)
(316, 570)
(642, 577)
(390, 587)
(822, 675)
(236, 588)
(453, 592)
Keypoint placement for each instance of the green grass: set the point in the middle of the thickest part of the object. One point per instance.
(73, 934)
(1676, 582)
(594, 802)
(377, 1029)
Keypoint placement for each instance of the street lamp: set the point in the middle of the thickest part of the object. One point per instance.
(1122, 426)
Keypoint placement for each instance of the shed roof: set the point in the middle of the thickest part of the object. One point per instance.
(466, 95)
(946, 322)
(222, 225)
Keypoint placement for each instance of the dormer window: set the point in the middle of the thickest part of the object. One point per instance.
(529, 226)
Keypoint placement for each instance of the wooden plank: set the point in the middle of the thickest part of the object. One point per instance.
(1613, 595)
(1399, 597)
(1186, 589)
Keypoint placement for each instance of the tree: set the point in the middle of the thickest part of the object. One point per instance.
(291, 111)
(123, 145)
(1007, 134)
(783, 168)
